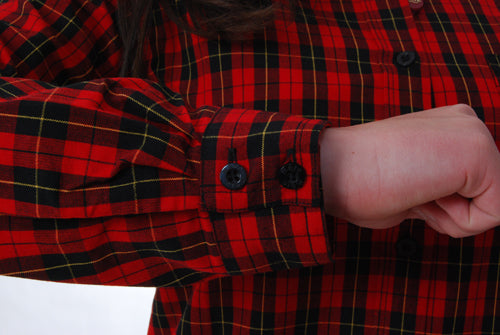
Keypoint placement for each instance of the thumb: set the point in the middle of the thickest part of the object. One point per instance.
(457, 216)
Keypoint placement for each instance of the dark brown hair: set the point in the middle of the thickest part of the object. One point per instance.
(227, 19)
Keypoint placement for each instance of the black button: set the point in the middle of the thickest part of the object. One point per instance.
(406, 58)
(233, 176)
(406, 247)
(292, 175)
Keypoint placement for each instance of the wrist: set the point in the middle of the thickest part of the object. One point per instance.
(334, 144)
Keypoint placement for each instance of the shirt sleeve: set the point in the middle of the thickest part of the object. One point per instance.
(116, 181)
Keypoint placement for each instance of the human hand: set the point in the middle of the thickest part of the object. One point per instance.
(439, 165)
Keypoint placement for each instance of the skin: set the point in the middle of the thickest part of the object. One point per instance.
(440, 165)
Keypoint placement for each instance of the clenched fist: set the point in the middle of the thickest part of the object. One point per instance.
(439, 165)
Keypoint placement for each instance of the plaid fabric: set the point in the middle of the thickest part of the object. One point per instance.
(115, 181)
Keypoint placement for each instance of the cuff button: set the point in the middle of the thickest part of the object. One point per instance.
(292, 176)
(233, 176)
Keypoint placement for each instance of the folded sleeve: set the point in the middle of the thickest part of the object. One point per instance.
(122, 167)
(117, 181)
(275, 221)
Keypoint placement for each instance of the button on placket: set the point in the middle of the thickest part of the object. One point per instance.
(416, 5)
(406, 247)
(406, 58)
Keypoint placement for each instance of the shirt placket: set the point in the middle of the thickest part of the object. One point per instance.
(401, 84)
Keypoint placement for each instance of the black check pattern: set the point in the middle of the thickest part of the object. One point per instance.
(114, 181)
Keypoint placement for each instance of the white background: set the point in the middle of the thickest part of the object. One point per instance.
(34, 307)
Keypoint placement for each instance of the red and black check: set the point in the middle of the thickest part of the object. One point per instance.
(115, 181)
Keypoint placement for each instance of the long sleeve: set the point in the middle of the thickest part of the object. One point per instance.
(117, 181)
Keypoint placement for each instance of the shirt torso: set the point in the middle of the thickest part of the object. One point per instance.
(352, 62)
(348, 62)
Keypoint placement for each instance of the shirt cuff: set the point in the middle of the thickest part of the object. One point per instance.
(260, 183)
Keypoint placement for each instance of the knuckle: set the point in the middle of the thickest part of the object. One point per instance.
(465, 110)
(454, 235)
(482, 138)
(466, 229)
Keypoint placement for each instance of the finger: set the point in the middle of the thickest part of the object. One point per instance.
(449, 215)
(382, 223)
(481, 218)
(485, 207)
(469, 219)
(474, 216)
(483, 188)
(429, 213)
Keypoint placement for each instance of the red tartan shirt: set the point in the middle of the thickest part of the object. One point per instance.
(117, 181)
